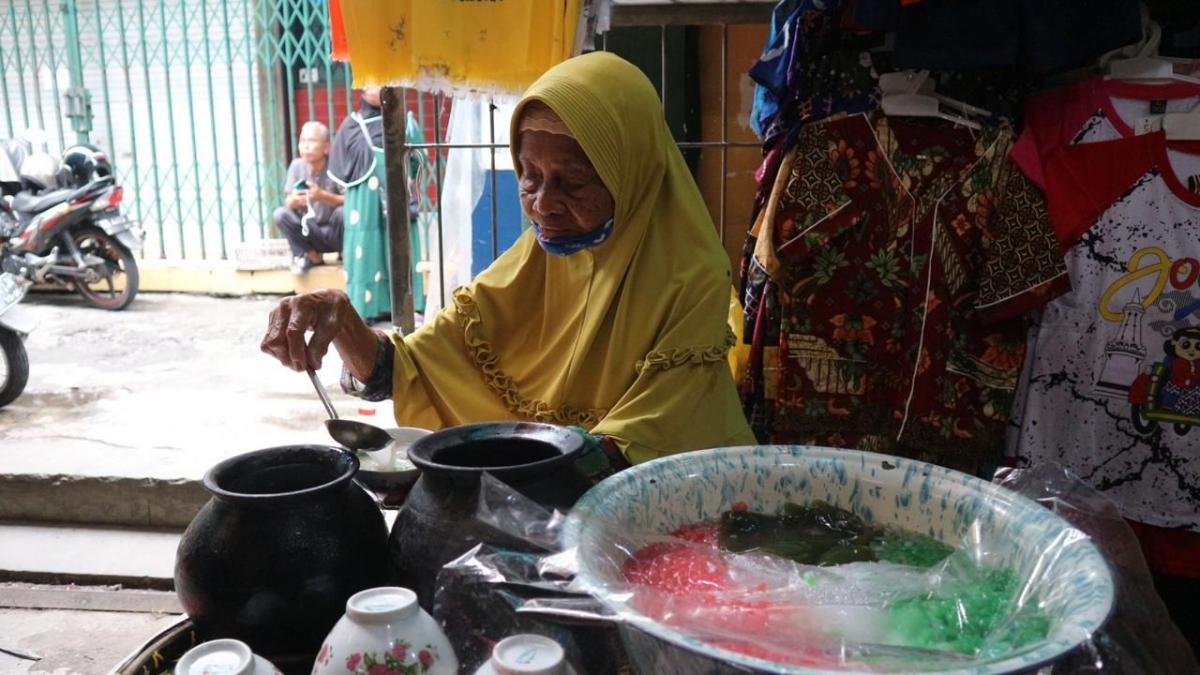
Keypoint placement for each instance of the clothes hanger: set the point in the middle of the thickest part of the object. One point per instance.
(1142, 61)
(912, 94)
(1147, 69)
(899, 83)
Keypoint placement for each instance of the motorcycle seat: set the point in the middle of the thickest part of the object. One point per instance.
(28, 203)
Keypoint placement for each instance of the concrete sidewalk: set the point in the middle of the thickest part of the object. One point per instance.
(72, 641)
(101, 460)
(125, 411)
(155, 394)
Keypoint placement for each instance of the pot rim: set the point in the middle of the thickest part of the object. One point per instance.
(344, 462)
(570, 443)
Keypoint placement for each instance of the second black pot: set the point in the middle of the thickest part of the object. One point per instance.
(437, 522)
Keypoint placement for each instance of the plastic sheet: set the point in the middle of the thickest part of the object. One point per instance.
(856, 617)
(1139, 636)
(471, 122)
(480, 596)
(870, 616)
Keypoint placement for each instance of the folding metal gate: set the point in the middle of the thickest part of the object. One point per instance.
(198, 102)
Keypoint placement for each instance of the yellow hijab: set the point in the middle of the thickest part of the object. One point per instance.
(627, 339)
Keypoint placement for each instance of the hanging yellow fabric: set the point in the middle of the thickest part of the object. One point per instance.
(629, 339)
(441, 45)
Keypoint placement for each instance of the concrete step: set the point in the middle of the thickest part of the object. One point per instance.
(223, 277)
(73, 597)
(142, 559)
(104, 501)
(93, 556)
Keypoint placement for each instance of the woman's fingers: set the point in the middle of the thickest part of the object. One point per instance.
(291, 322)
(300, 321)
(275, 342)
(325, 329)
(287, 325)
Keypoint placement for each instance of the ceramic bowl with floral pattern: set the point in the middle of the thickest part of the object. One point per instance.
(385, 631)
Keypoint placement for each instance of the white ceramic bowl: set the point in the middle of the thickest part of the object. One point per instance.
(385, 627)
(658, 497)
(223, 657)
(527, 654)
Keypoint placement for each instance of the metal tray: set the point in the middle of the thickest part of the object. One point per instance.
(159, 654)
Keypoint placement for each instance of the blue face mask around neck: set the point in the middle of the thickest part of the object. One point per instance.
(575, 243)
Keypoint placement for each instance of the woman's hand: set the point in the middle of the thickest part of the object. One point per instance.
(331, 319)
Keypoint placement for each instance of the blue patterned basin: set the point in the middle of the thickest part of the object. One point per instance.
(1075, 586)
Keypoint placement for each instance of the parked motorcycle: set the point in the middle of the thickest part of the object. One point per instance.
(64, 226)
(15, 324)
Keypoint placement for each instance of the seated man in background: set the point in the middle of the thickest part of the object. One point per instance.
(311, 217)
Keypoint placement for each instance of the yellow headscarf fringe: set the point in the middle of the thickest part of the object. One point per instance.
(697, 356)
(502, 385)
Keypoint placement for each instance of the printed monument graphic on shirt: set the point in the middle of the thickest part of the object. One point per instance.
(1125, 353)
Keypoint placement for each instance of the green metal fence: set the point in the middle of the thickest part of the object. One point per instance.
(198, 103)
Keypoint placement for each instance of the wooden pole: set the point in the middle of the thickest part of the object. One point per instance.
(395, 153)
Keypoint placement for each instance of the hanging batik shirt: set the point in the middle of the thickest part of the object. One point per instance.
(911, 251)
(1113, 391)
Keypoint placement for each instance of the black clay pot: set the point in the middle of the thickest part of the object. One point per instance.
(437, 522)
(285, 540)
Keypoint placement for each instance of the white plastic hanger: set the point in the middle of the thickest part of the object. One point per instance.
(1141, 68)
(899, 83)
(912, 94)
(1141, 61)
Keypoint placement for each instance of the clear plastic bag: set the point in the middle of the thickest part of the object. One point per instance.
(481, 595)
(1139, 636)
(859, 616)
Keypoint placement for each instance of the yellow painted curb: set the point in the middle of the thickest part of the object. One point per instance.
(230, 281)
(223, 278)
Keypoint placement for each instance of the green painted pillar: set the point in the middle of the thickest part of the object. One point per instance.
(78, 98)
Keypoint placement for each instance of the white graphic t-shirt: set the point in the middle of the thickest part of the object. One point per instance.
(1113, 388)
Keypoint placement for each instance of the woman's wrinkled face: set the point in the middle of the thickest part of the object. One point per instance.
(560, 189)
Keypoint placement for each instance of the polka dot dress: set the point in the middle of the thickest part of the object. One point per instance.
(365, 246)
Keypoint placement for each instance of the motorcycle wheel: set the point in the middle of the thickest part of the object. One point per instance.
(107, 293)
(15, 369)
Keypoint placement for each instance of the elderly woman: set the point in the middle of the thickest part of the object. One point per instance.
(608, 315)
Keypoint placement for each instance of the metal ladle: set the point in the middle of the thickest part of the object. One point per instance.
(350, 433)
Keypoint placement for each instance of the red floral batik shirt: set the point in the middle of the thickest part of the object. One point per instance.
(910, 252)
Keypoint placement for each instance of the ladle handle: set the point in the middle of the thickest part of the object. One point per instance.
(312, 375)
